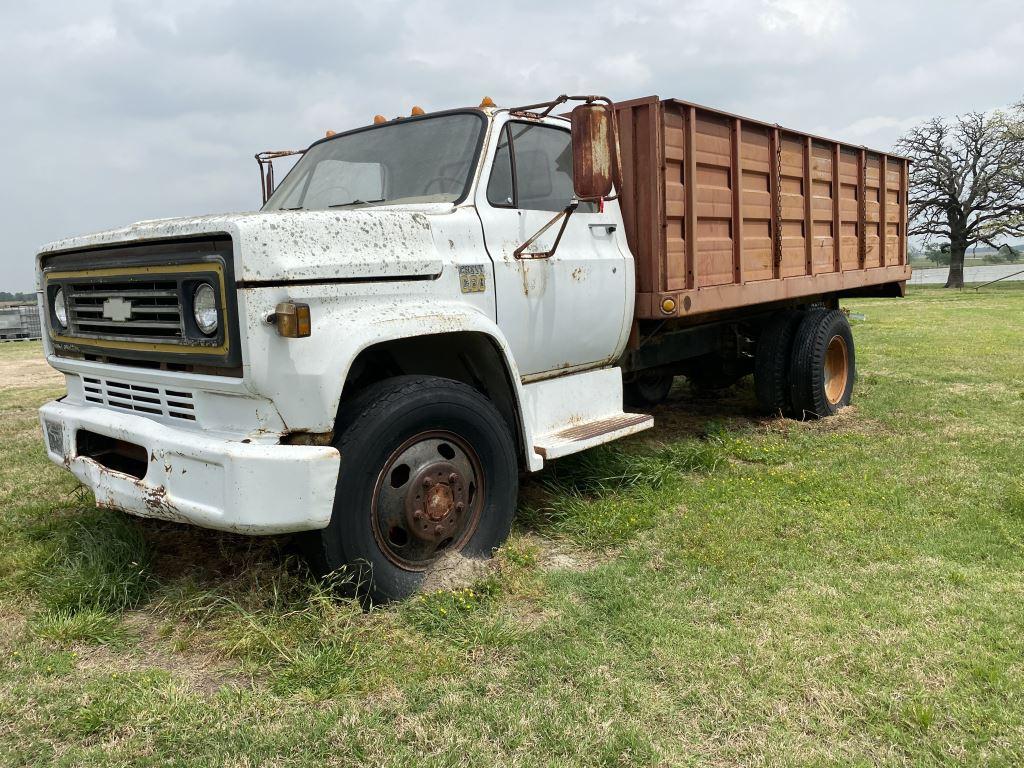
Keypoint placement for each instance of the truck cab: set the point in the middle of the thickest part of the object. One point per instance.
(422, 308)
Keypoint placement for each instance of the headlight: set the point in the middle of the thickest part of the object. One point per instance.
(60, 308)
(204, 308)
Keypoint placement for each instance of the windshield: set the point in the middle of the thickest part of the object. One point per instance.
(411, 161)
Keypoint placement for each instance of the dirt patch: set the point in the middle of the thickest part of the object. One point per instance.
(203, 672)
(688, 414)
(212, 559)
(31, 373)
(454, 571)
(554, 555)
(12, 629)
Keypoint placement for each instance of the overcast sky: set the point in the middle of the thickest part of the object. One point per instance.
(119, 111)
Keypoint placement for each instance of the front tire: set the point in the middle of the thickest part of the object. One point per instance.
(428, 467)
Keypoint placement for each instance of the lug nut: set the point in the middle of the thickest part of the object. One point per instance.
(417, 514)
(453, 478)
(438, 529)
(459, 507)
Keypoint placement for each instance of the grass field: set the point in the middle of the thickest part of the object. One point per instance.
(726, 589)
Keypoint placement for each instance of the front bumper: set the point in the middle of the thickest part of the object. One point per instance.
(194, 478)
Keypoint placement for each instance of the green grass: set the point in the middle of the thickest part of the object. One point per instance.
(725, 589)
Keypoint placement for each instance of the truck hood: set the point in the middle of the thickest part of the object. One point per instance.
(282, 246)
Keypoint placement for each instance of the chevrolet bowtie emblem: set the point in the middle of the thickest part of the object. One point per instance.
(117, 309)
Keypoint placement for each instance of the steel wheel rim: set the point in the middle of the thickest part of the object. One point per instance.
(837, 369)
(427, 499)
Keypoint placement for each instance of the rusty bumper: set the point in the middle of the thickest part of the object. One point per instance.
(193, 477)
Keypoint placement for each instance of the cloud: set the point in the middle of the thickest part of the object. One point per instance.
(816, 19)
(118, 110)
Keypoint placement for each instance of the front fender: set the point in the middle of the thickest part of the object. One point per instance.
(305, 377)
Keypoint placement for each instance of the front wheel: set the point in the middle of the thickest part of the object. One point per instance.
(428, 467)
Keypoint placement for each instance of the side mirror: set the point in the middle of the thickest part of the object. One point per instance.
(593, 151)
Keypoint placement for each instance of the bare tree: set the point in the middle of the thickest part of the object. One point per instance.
(967, 181)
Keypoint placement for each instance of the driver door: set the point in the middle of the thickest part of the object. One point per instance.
(570, 310)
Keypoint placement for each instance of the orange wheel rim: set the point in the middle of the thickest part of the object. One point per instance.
(837, 369)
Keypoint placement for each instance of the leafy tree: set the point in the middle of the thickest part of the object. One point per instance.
(938, 254)
(967, 181)
(6, 296)
(1005, 255)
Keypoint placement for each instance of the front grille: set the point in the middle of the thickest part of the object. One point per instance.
(131, 304)
(129, 310)
(141, 398)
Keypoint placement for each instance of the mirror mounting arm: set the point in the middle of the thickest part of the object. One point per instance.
(550, 105)
(569, 210)
(265, 160)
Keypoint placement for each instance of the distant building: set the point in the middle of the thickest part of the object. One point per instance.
(19, 321)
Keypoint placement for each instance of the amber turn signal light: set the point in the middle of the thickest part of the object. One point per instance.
(292, 320)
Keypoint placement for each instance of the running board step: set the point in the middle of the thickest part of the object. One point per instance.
(582, 436)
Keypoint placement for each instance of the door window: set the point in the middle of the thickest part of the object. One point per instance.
(499, 188)
(532, 169)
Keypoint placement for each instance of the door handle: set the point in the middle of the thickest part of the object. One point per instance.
(609, 228)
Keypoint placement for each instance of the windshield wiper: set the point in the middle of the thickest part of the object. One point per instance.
(356, 202)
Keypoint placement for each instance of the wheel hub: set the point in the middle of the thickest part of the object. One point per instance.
(837, 369)
(428, 499)
(436, 499)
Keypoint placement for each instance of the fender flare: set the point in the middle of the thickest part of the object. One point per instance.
(367, 324)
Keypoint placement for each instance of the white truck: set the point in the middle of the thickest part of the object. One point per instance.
(422, 308)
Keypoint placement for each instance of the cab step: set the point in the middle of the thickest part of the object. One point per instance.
(579, 437)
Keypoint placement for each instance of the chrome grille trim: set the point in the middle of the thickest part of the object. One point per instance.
(150, 399)
(155, 310)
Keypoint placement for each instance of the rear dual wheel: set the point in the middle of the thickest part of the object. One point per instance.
(804, 364)
(771, 363)
(822, 365)
(428, 467)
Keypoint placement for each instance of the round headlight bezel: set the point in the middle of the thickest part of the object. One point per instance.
(205, 312)
(60, 308)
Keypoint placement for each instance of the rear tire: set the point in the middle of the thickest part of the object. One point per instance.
(648, 388)
(428, 467)
(771, 363)
(822, 365)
